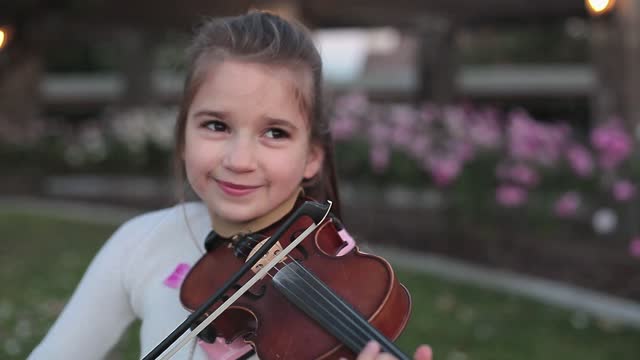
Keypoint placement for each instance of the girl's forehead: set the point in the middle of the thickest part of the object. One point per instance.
(271, 85)
(246, 74)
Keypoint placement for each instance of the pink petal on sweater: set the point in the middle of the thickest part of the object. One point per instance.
(175, 279)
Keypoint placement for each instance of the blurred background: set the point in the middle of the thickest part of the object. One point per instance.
(488, 147)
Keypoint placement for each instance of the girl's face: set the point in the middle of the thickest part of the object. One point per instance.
(247, 143)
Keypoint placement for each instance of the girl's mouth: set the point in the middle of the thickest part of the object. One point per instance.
(236, 189)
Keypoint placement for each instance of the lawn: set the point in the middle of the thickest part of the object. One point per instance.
(42, 259)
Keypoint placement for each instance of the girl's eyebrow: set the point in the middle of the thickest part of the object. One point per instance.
(281, 122)
(210, 113)
(224, 115)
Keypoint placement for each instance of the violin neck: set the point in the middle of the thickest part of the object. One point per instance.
(319, 302)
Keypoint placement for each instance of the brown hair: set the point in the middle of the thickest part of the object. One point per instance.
(263, 38)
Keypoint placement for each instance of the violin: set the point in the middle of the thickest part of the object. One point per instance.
(286, 292)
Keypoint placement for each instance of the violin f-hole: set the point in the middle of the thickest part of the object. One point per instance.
(253, 295)
(300, 248)
(209, 334)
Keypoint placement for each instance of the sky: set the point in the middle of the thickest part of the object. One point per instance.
(344, 52)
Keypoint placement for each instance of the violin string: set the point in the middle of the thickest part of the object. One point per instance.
(358, 321)
(334, 326)
(360, 342)
(340, 305)
(347, 328)
(361, 337)
(277, 270)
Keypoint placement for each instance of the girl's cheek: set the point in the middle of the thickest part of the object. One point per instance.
(195, 177)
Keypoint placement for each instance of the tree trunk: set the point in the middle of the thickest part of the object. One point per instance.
(628, 13)
(21, 69)
(606, 100)
(137, 68)
(437, 64)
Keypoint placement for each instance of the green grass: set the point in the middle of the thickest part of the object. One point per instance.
(41, 262)
(465, 322)
(42, 259)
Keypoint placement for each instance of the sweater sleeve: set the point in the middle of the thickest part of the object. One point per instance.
(99, 310)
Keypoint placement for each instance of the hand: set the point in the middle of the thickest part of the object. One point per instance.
(372, 352)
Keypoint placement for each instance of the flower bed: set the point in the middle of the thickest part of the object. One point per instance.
(498, 188)
(484, 160)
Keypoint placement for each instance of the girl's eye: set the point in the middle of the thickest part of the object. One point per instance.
(216, 125)
(275, 133)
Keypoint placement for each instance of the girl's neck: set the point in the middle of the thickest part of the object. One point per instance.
(228, 229)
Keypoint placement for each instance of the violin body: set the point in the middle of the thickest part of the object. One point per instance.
(276, 328)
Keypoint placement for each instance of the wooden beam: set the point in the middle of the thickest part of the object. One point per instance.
(155, 15)
(628, 13)
(402, 12)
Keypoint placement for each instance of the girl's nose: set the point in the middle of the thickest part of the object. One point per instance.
(240, 155)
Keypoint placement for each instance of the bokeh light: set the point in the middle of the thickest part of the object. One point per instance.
(600, 7)
(3, 37)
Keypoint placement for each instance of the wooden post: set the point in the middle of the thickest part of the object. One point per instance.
(137, 65)
(21, 69)
(437, 63)
(606, 99)
(288, 9)
(628, 15)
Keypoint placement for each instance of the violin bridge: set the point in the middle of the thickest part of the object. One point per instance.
(272, 253)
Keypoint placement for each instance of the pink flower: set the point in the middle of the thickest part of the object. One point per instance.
(634, 247)
(403, 116)
(524, 175)
(484, 130)
(530, 140)
(401, 137)
(352, 104)
(343, 127)
(623, 190)
(454, 119)
(612, 142)
(379, 158)
(379, 133)
(465, 151)
(519, 173)
(580, 160)
(511, 196)
(444, 170)
(567, 204)
(418, 147)
(428, 113)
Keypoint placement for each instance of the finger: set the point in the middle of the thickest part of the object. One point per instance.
(370, 351)
(386, 356)
(423, 352)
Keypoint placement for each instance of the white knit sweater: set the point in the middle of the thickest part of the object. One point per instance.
(126, 280)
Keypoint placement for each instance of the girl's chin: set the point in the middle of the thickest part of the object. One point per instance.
(236, 217)
(239, 220)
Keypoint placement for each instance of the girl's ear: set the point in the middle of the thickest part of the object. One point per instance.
(315, 159)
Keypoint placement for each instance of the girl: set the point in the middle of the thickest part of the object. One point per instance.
(249, 137)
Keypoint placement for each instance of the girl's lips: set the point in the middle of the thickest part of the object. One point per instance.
(235, 189)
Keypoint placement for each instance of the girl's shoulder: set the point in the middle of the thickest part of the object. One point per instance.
(163, 227)
(182, 214)
(149, 246)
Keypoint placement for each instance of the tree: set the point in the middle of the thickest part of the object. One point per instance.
(37, 26)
